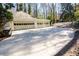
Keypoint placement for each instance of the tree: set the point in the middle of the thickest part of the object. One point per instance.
(77, 14)
(54, 14)
(34, 10)
(4, 10)
(43, 7)
(5, 15)
(76, 7)
(21, 6)
(51, 15)
(29, 8)
(67, 12)
(24, 7)
(17, 6)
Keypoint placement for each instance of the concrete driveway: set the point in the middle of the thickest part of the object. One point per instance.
(36, 42)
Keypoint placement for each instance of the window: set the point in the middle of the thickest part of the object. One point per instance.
(23, 23)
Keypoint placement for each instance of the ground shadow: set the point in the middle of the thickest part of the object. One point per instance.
(69, 45)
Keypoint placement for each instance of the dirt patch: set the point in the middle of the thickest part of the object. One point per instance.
(63, 25)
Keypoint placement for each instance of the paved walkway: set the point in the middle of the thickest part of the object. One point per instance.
(36, 42)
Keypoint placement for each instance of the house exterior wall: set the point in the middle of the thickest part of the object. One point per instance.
(20, 25)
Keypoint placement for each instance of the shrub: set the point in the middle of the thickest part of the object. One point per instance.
(9, 16)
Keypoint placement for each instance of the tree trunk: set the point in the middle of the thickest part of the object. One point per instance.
(24, 7)
(29, 8)
(17, 6)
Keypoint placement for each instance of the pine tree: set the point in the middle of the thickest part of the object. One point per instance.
(5, 15)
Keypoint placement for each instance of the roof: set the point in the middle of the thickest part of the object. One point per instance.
(24, 17)
(21, 16)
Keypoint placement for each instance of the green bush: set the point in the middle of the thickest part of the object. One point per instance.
(9, 16)
(77, 14)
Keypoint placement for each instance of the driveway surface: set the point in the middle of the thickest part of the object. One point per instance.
(36, 42)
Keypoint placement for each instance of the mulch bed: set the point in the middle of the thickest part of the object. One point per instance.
(74, 50)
